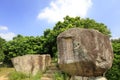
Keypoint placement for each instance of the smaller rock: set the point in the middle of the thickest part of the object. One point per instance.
(97, 78)
(31, 64)
(87, 78)
(78, 78)
(45, 78)
(1, 63)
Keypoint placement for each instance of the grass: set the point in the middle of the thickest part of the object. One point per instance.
(13, 75)
(17, 76)
(61, 76)
(5, 71)
(21, 76)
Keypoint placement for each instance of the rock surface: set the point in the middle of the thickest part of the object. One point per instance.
(84, 52)
(88, 78)
(31, 64)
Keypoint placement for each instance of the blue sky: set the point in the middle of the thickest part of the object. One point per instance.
(33, 17)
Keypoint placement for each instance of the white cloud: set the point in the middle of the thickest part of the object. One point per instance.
(115, 38)
(7, 36)
(60, 8)
(3, 28)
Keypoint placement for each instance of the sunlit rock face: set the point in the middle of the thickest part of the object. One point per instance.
(84, 52)
(31, 64)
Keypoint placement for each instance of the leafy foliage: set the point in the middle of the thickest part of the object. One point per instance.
(21, 45)
(2, 42)
(87, 23)
(69, 22)
(114, 72)
(46, 44)
(61, 76)
(116, 46)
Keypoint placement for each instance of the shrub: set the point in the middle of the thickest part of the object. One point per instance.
(61, 76)
(2, 56)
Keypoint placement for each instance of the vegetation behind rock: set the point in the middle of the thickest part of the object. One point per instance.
(46, 44)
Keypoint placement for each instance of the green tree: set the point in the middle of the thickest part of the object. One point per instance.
(114, 72)
(46, 44)
(2, 42)
(69, 22)
(22, 45)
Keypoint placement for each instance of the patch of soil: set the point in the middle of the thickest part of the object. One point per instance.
(3, 77)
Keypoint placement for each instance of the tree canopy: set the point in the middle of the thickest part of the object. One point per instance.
(2, 42)
(21, 45)
(70, 22)
(46, 44)
(114, 72)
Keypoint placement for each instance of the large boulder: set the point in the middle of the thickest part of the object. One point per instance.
(31, 64)
(84, 52)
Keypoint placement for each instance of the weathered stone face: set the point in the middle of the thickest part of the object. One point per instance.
(31, 64)
(84, 52)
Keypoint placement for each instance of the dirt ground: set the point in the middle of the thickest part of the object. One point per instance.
(4, 73)
(3, 77)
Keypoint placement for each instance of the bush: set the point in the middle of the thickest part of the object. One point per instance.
(2, 56)
(61, 76)
(114, 72)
